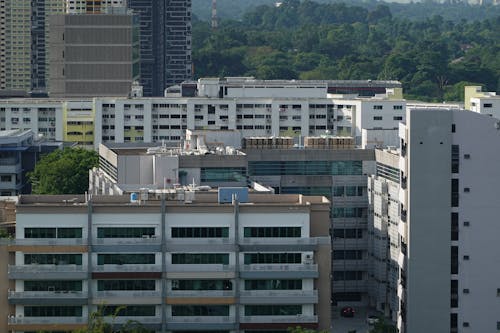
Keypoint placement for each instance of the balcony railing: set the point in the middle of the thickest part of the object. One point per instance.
(279, 267)
(279, 293)
(200, 319)
(47, 320)
(127, 241)
(200, 268)
(279, 319)
(201, 293)
(127, 268)
(46, 268)
(47, 294)
(126, 293)
(48, 241)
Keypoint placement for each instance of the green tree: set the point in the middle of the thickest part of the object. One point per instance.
(383, 327)
(63, 171)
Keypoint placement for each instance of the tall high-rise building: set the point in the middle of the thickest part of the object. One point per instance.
(165, 43)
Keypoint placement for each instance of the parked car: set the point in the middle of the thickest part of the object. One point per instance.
(347, 311)
(372, 320)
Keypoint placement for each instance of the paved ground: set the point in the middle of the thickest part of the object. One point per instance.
(356, 324)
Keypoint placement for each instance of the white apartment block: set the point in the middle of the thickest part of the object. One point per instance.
(262, 262)
(283, 108)
(435, 207)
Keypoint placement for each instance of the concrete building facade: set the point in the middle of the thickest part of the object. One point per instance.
(93, 55)
(259, 264)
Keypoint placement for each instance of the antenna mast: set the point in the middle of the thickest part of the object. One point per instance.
(214, 15)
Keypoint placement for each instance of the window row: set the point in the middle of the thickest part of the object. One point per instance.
(272, 232)
(52, 232)
(52, 259)
(106, 285)
(272, 258)
(200, 258)
(202, 285)
(350, 191)
(200, 232)
(277, 168)
(273, 284)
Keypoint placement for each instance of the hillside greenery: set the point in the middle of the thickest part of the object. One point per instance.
(433, 58)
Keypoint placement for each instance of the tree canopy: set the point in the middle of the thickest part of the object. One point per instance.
(432, 57)
(63, 171)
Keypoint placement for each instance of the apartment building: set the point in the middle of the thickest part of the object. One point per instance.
(483, 102)
(19, 152)
(445, 242)
(252, 107)
(258, 263)
(93, 55)
(165, 47)
(93, 6)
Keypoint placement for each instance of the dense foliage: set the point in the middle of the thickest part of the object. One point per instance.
(63, 172)
(434, 58)
(454, 10)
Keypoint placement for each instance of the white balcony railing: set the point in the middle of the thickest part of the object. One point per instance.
(127, 241)
(200, 268)
(199, 319)
(279, 267)
(49, 241)
(47, 294)
(279, 293)
(47, 320)
(279, 319)
(46, 268)
(127, 268)
(125, 293)
(201, 293)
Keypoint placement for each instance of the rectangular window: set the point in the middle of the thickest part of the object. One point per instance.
(397, 107)
(126, 259)
(348, 233)
(488, 105)
(125, 285)
(128, 232)
(305, 168)
(129, 310)
(51, 285)
(273, 258)
(52, 311)
(52, 259)
(273, 310)
(454, 293)
(347, 275)
(202, 285)
(200, 310)
(398, 118)
(378, 107)
(454, 226)
(234, 174)
(454, 260)
(200, 258)
(276, 232)
(348, 254)
(454, 192)
(6, 178)
(455, 158)
(377, 118)
(200, 232)
(273, 284)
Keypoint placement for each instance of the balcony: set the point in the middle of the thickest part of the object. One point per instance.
(48, 297)
(279, 296)
(126, 268)
(19, 320)
(201, 293)
(200, 268)
(279, 319)
(47, 272)
(279, 244)
(145, 244)
(279, 271)
(49, 241)
(201, 323)
(215, 244)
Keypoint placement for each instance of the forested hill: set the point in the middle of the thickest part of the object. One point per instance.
(433, 58)
(414, 10)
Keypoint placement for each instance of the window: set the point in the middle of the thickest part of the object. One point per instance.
(273, 284)
(454, 260)
(453, 128)
(397, 118)
(377, 118)
(273, 310)
(234, 174)
(454, 193)
(378, 107)
(466, 189)
(128, 232)
(466, 156)
(348, 254)
(52, 311)
(200, 258)
(202, 285)
(200, 310)
(273, 258)
(397, 107)
(125, 285)
(488, 105)
(455, 158)
(51, 285)
(454, 293)
(466, 257)
(348, 233)
(454, 226)
(466, 324)
(125, 259)
(304, 168)
(6, 178)
(347, 275)
(129, 310)
(272, 232)
(201, 232)
(53, 259)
